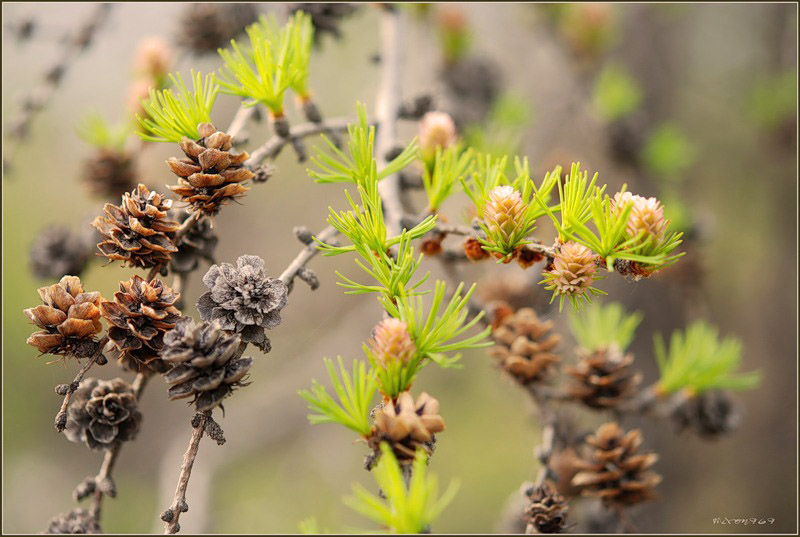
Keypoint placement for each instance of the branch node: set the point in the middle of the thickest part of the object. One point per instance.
(61, 421)
(85, 489)
(303, 234)
(308, 276)
(214, 431)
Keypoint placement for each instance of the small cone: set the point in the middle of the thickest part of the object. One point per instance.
(546, 510)
(604, 378)
(524, 345)
(406, 425)
(614, 471)
(69, 319)
(211, 175)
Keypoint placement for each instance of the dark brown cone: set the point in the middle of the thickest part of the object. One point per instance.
(109, 173)
(526, 257)
(141, 313)
(523, 346)
(433, 244)
(69, 318)
(138, 231)
(325, 17)
(614, 471)
(604, 378)
(103, 414)
(406, 425)
(211, 175)
(206, 27)
(547, 509)
(709, 414)
(206, 363)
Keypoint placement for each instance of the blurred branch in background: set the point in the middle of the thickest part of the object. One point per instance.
(74, 44)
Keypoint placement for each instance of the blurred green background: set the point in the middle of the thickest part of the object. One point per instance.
(722, 76)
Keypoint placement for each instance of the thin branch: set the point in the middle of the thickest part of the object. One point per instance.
(153, 273)
(61, 417)
(305, 255)
(104, 481)
(243, 115)
(186, 226)
(37, 97)
(179, 505)
(388, 104)
(273, 147)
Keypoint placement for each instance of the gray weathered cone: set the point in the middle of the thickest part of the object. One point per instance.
(75, 522)
(103, 413)
(56, 252)
(206, 363)
(243, 299)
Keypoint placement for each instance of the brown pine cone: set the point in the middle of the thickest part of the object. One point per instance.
(69, 318)
(206, 363)
(138, 231)
(141, 313)
(547, 509)
(103, 414)
(614, 471)
(604, 378)
(109, 173)
(211, 175)
(406, 425)
(523, 346)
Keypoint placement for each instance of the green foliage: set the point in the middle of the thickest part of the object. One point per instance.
(449, 167)
(354, 395)
(773, 99)
(501, 133)
(576, 197)
(433, 334)
(302, 38)
(698, 360)
(582, 202)
(96, 131)
(677, 212)
(364, 224)
(599, 326)
(668, 152)
(356, 166)
(616, 94)
(401, 509)
(489, 175)
(393, 275)
(310, 526)
(264, 70)
(170, 117)
(454, 35)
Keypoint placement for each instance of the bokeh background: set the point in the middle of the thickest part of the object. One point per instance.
(715, 129)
